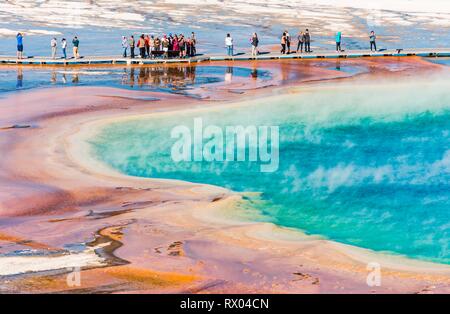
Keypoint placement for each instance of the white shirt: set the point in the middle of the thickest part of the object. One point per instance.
(63, 44)
(53, 43)
(228, 41)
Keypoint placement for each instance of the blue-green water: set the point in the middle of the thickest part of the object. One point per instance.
(363, 165)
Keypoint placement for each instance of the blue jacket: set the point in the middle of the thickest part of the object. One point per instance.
(338, 37)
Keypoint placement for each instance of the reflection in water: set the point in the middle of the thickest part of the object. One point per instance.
(53, 78)
(172, 79)
(229, 74)
(75, 78)
(165, 77)
(19, 83)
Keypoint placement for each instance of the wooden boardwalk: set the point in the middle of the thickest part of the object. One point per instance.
(431, 52)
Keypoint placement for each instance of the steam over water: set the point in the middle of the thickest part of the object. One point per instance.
(367, 165)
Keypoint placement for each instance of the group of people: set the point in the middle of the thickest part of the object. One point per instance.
(149, 46)
(75, 49)
(303, 43)
(179, 46)
(303, 40)
(372, 39)
(53, 46)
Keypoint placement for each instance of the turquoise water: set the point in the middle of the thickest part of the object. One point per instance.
(362, 165)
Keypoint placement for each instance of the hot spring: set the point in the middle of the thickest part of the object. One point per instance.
(366, 165)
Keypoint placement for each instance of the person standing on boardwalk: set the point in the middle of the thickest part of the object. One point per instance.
(176, 46)
(193, 44)
(124, 46)
(165, 47)
(147, 45)
(338, 41)
(229, 45)
(152, 46)
(64, 47)
(141, 46)
(307, 41)
(19, 38)
(283, 43)
(255, 41)
(76, 45)
(182, 45)
(300, 39)
(53, 45)
(288, 42)
(157, 44)
(132, 44)
(373, 44)
(188, 44)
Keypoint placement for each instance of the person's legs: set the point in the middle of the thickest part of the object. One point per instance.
(65, 53)
(132, 53)
(75, 52)
(373, 46)
(19, 51)
(53, 52)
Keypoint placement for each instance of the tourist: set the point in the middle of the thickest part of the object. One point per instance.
(307, 41)
(338, 41)
(132, 44)
(124, 46)
(141, 46)
(170, 39)
(152, 46)
(53, 45)
(176, 46)
(255, 41)
(188, 44)
(64, 47)
(147, 45)
(229, 45)
(193, 43)
(283, 43)
(157, 44)
(76, 45)
(373, 44)
(288, 42)
(165, 47)
(19, 38)
(182, 45)
(300, 38)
